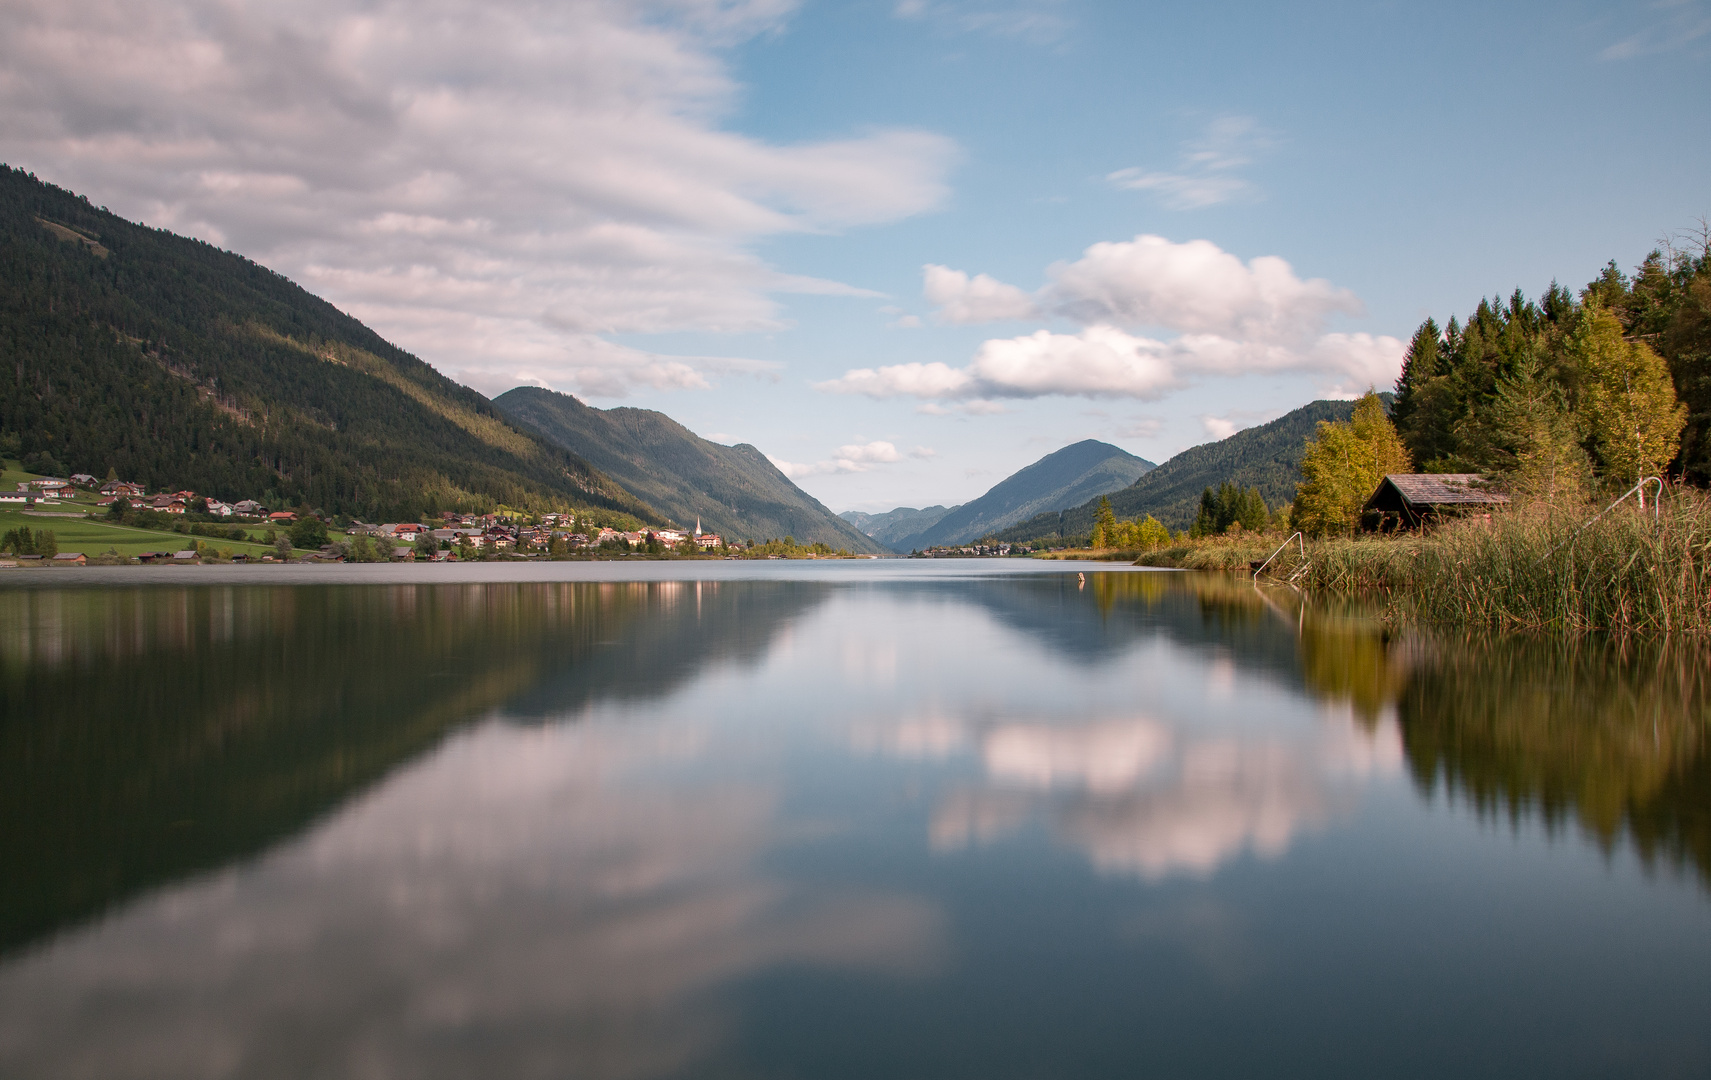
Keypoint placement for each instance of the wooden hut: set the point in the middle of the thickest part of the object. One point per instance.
(1410, 500)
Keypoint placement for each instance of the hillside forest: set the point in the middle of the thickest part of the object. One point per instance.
(166, 361)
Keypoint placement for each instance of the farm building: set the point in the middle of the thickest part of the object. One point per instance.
(1410, 500)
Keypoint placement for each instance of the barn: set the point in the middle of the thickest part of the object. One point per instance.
(1410, 500)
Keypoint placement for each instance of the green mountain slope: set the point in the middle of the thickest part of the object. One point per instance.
(178, 364)
(1267, 457)
(1065, 478)
(734, 490)
(894, 525)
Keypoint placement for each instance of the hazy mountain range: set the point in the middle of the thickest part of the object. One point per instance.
(1062, 479)
(895, 525)
(1267, 457)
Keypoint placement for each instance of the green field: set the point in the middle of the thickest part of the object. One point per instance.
(96, 537)
(77, 533)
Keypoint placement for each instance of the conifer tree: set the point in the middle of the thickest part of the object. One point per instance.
(1105, 524)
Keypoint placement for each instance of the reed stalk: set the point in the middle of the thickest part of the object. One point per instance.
(1529, 567)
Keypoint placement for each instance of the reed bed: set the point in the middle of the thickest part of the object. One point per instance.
(1537, 567)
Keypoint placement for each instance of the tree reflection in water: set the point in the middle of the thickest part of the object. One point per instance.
(1610, 734)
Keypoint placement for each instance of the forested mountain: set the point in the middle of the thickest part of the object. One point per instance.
(1061, 479)
(1267, 457)
(734, 490)
(177, 364)
(894, 525)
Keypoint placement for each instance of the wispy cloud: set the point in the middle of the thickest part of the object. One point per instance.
(1671, 25)
(1207, 172)
(498, 186)
(852, 458)
(1036, 21)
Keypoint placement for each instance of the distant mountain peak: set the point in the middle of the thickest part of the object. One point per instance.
(1063, 478)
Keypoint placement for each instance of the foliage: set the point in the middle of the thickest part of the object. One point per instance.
(788, 548)
(1104, 525)
(1343, 466)
(1528, 438)
(1628, 399)
(308, 533)
(1230, 507)
(1590, 370)
(22, 541)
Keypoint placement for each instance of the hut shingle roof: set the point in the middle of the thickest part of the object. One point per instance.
(1442, 489)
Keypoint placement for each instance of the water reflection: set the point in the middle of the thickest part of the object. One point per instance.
(148, 733)
(1609, 735)
(580, 829)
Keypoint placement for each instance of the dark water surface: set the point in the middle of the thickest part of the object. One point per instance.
(875, 820)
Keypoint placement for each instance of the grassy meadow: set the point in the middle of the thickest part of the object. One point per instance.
(75, 532)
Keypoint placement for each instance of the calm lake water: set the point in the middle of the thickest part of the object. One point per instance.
(864, 820)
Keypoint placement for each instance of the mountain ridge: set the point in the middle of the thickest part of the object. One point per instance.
(1061, 479)
(733, 490)
(894, 525)
(178, 364)
(1267, 456)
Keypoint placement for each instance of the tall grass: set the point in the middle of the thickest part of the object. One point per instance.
(1537, 567)
(1630, 570)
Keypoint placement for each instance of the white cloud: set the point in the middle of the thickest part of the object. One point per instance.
(851, 458)
(492, 185)
(1190, 287)
(1219, 427)
(961, 299)
(1206, 170)
(1193, 287)
(1230, 318)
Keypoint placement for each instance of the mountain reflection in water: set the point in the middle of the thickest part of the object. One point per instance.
(595, 829)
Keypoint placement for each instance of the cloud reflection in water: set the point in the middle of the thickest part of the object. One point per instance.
(556, 901)
(1138, 795)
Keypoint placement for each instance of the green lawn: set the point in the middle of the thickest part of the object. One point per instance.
(76, 533)
(95, 537)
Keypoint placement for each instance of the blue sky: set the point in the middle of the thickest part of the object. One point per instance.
(1189, 218)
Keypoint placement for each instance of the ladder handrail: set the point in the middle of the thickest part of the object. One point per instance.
(1657, 511)
(1296, 537)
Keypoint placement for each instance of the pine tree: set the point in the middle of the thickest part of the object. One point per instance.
(1105, 524)
(1533, 442)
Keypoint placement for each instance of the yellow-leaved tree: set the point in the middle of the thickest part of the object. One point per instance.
(1628, 399)
(1342, 467)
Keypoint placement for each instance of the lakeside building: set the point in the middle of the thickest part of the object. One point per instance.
(1410, 500)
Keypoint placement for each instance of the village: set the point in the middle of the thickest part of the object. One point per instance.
(255, 533)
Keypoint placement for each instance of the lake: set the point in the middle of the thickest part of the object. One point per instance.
(975, 819)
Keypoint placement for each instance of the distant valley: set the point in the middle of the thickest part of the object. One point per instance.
(1063, 479)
